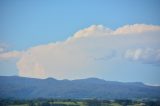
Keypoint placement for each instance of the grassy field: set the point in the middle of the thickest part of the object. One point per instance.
(69, 103)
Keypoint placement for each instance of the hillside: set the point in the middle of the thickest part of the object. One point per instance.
(28, 88)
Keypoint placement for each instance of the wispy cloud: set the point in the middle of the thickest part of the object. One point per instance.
(147, 55)
(3, 47)
(10, 55)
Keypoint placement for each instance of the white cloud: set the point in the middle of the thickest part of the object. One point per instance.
(94, 30)
(10, 55)
(79, 55)
(147, 55)
(149, 84)
(136, 28)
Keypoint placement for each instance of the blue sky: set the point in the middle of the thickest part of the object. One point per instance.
(29, 23)
(25, 23)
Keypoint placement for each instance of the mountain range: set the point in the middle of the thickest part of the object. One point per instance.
(29, 88)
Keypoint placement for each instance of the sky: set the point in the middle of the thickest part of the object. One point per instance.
(72, 39)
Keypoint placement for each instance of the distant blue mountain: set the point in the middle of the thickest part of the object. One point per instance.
(29, 88)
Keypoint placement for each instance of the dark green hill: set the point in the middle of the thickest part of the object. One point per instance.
(29, 88)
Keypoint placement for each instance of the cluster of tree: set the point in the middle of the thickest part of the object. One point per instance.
(38, 102)
(75, 102)
(94, 102)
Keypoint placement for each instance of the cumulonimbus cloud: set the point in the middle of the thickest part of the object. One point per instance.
(79, 55)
